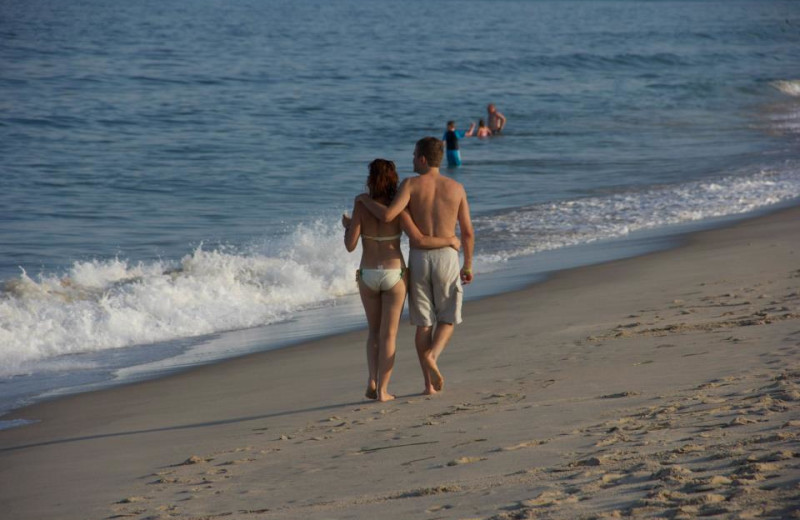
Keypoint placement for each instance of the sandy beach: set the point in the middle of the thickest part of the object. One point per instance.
(666, 385)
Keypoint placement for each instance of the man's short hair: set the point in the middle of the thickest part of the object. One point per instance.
(432, 150)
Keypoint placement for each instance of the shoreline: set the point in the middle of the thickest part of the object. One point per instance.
(521, 273)
(557, 349)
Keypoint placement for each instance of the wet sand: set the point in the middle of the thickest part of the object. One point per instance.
(666, 385)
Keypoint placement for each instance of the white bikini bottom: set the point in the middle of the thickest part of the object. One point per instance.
(380, 279)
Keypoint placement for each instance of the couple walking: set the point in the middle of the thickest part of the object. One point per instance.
(427, 208)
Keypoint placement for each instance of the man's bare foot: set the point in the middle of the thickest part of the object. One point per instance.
(437, 379)
(372, 393)
(386, 397)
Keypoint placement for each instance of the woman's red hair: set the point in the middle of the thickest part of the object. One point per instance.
(382, 182)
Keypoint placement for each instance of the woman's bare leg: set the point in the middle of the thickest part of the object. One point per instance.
(372, 308)
(392, 308)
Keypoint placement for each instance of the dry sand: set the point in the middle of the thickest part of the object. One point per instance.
(662, 386)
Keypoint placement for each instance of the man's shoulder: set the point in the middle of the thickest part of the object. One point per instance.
(451, 183)
(410, 181)
(412, 184)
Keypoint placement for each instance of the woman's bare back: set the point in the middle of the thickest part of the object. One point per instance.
(376, 253)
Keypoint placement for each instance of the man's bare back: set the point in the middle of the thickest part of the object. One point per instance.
(433, 203)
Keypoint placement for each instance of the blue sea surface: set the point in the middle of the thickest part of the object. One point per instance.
(172, 173)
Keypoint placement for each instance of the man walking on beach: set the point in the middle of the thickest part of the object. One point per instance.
(436, 204)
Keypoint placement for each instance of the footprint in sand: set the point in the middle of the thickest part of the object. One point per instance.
(590, 462)
(611, 479)
(132, 500)
(619, 395)
(429, 491)
(465, 460)
(194, 459)
(616, 438)
(523, 445)
(675, 474)
(236, 462)
(548, 499)
(708, 484)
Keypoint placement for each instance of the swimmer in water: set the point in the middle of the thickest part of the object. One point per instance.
(497, 121)
(483, 130)
(450, 138)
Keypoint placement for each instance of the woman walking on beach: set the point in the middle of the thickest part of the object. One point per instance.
(382, 276)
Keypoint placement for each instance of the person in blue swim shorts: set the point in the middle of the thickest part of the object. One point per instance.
(450, 138)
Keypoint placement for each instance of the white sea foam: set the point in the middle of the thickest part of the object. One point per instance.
(790, 87)
(785, 122)
(101, 305)
(109, 304)
(555, 225)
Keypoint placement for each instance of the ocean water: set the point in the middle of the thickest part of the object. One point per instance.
(172, 173)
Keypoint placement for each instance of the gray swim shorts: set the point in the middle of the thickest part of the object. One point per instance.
(435, 291)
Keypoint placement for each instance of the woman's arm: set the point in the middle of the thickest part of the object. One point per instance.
(352, 228)
(420, 241)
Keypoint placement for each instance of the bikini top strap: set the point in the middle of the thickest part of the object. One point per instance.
(381, 239)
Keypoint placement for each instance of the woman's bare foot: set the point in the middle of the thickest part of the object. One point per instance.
(383, 397)
(372, 391)
(429, 391)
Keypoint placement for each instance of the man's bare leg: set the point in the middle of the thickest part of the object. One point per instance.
(423, 340)
(441, 337)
